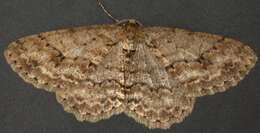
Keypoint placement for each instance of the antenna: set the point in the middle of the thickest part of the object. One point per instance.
(108, 14)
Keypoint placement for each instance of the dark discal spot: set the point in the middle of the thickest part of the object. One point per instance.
(62, 58)
(79, 98)
(34, 63)
(102, 100)
(94, 38)
(59, 54)
(91, 64)
(206, 77)
(47, 45)
(214, 47)
(36, 79)
(113, 98)
(201, 59)
(15, 62)
(56, 65)
(76, 58)
(55, 75)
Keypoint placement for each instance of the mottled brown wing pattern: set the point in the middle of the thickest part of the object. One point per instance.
(158, 109)
(61, 61)
(93, 103)
(155, 98)
(196, 64)
(204, 63)
(152, 74)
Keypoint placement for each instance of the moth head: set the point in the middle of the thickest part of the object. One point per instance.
(130, 23)
(131, 27)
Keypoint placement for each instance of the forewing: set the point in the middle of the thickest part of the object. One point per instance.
(204, 63)
(61, 61)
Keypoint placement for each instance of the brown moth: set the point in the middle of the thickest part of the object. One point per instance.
(153, 74)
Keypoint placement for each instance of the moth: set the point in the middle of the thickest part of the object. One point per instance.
(152, 74)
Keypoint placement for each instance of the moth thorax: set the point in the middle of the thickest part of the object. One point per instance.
(128, 48)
